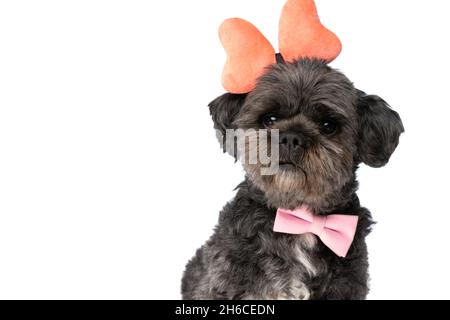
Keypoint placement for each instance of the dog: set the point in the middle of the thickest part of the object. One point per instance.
(327, 128)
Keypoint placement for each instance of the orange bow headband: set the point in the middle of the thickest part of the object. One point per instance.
(301, 35)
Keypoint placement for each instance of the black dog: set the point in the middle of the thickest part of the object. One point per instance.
(326, 129)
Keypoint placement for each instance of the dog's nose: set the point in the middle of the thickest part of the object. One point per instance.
(292, 141)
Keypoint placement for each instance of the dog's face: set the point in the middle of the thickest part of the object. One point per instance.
(326, 127)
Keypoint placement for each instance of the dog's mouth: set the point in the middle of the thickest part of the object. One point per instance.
(290, 166)
(287, 165)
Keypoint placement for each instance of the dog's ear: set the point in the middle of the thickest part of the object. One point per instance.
(223, 112)
(380, 128)
(224, 109)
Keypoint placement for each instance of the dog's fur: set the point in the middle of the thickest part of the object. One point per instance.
(245, 258)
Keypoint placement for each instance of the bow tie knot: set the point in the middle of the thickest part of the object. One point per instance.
(336, 231)
(317, 225)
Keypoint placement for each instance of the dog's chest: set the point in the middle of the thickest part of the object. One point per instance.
(304, 267)
(302, 253)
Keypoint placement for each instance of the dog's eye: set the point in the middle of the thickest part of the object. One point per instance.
(269, 120)
(328, 127)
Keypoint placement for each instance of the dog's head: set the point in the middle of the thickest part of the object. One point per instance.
(326, 128)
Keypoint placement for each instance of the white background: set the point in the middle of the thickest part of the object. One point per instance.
(110, 174)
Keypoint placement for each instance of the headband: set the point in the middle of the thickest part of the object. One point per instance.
(249, 53)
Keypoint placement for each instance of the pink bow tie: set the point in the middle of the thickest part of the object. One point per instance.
(336, 231)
